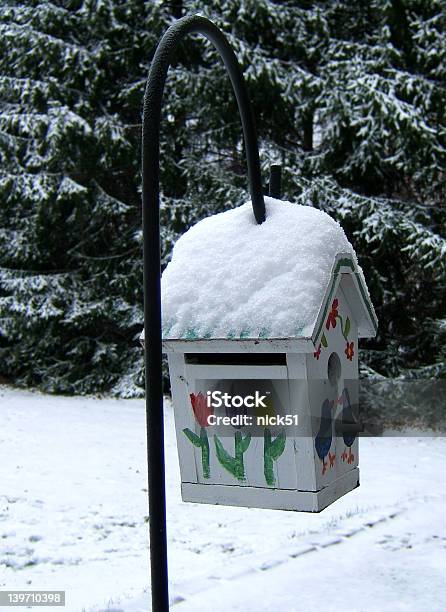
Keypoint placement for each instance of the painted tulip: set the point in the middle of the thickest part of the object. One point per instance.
(201, 409)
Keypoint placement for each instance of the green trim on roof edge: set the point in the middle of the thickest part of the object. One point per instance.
(346, 262)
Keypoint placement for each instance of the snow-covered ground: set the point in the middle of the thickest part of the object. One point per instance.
(73, 510)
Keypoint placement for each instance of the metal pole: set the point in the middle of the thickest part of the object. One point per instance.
(152, 291)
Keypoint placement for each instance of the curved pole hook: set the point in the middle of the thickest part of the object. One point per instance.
(152, 290)
(153, 100)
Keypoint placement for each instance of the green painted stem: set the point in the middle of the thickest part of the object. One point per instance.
(271, 452)
(202, 442)
(234, 465)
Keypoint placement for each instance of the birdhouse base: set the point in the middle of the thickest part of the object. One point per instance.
(274, 499)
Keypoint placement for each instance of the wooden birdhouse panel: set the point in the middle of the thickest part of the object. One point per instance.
(332, 386)
(303, 440)
(186, 454)
(347, 444)
(258, 456)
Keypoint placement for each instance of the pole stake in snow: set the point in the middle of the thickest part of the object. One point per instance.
(152, 291)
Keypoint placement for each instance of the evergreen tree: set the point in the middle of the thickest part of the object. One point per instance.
(350, 97)
(380, 168)
(70, 211)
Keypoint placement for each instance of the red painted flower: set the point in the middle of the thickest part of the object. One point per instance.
(331, 319)
(317, 353)
(201, 409)
(349, 350)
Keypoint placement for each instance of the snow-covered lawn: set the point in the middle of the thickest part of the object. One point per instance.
(73, 509)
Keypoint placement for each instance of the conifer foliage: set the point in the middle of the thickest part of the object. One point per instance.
(349, 97)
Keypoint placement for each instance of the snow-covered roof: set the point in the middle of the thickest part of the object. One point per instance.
(231, 278)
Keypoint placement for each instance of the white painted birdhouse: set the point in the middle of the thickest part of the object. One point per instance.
(261, 326)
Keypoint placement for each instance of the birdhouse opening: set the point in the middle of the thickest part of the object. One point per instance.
(239, 359)
(334, 369)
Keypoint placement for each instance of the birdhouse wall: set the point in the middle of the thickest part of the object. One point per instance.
(300, 403)
(332, 372)
(305, 467)
(234, 457)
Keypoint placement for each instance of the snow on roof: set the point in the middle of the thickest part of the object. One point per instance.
(232, 278)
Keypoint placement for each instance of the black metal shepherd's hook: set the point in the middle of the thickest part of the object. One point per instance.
(152, 292)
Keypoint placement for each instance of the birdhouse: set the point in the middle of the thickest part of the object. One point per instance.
(261, 326)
